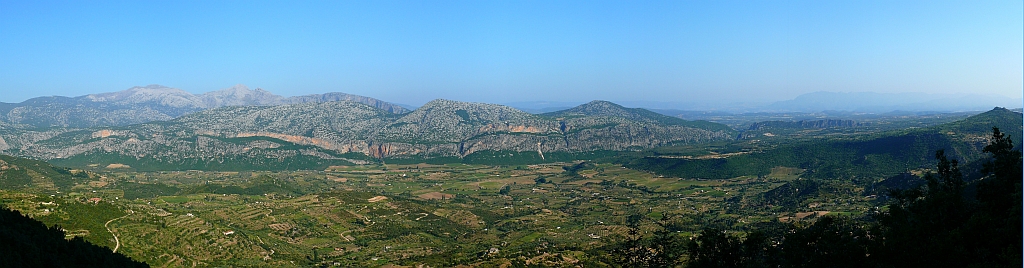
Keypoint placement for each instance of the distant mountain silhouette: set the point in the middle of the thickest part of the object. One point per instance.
(872, 102)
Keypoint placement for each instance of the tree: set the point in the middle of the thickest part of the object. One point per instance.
(941, 226)
(999, 194)
(1000, 191)
(715, 248)
(664, 249)
(925, 227)
(829, 242)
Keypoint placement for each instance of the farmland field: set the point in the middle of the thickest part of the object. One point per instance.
(439, 215)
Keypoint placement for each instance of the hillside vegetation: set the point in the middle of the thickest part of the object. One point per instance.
(881, 154)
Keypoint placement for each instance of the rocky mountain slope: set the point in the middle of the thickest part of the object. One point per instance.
(355, 132)
(151, 103)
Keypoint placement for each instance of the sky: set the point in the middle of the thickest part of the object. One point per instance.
(411, 52)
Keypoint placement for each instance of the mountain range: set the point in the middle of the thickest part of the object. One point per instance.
(814, 102)
(163, 126)
(872, 102)
(319, 133)
(152, 103)
(158, 103)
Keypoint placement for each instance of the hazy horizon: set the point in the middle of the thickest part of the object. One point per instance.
(814, 102)
(412, 52)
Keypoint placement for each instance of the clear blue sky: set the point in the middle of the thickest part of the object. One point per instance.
(504, 51)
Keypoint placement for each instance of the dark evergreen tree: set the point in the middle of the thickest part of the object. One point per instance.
(999, 219)
(829, 242)
(715, 248)
(664, 249)
(942, 226)
(925, 227)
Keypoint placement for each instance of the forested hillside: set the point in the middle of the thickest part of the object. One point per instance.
(882, 154)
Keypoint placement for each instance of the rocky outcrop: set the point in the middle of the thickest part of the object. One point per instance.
(293, 139)
(107, 133)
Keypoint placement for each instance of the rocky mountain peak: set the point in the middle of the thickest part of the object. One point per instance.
(151, 86)
(151, 103)
(338, 96)
(445, 103)
(601, 108)
(597, 108)
(163, 95)
(442, 103)
(236, 90)
(239, 95)
(468, 111)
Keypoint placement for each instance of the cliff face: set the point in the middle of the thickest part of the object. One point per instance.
(445, 121)
(441, 128)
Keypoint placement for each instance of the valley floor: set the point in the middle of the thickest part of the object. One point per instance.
(408, 215)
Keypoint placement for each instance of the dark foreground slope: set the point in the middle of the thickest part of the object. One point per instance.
(25, 242)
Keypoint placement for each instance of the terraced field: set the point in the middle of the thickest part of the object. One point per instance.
(438, 215)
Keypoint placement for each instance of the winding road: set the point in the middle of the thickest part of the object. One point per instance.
(117, 243)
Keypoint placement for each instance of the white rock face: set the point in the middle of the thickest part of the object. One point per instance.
(239, 95)
(158, 94)
(154, 103)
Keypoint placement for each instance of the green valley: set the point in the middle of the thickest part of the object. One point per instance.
(488, 209)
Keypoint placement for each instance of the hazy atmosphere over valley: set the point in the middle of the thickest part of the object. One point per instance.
(511, 134)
